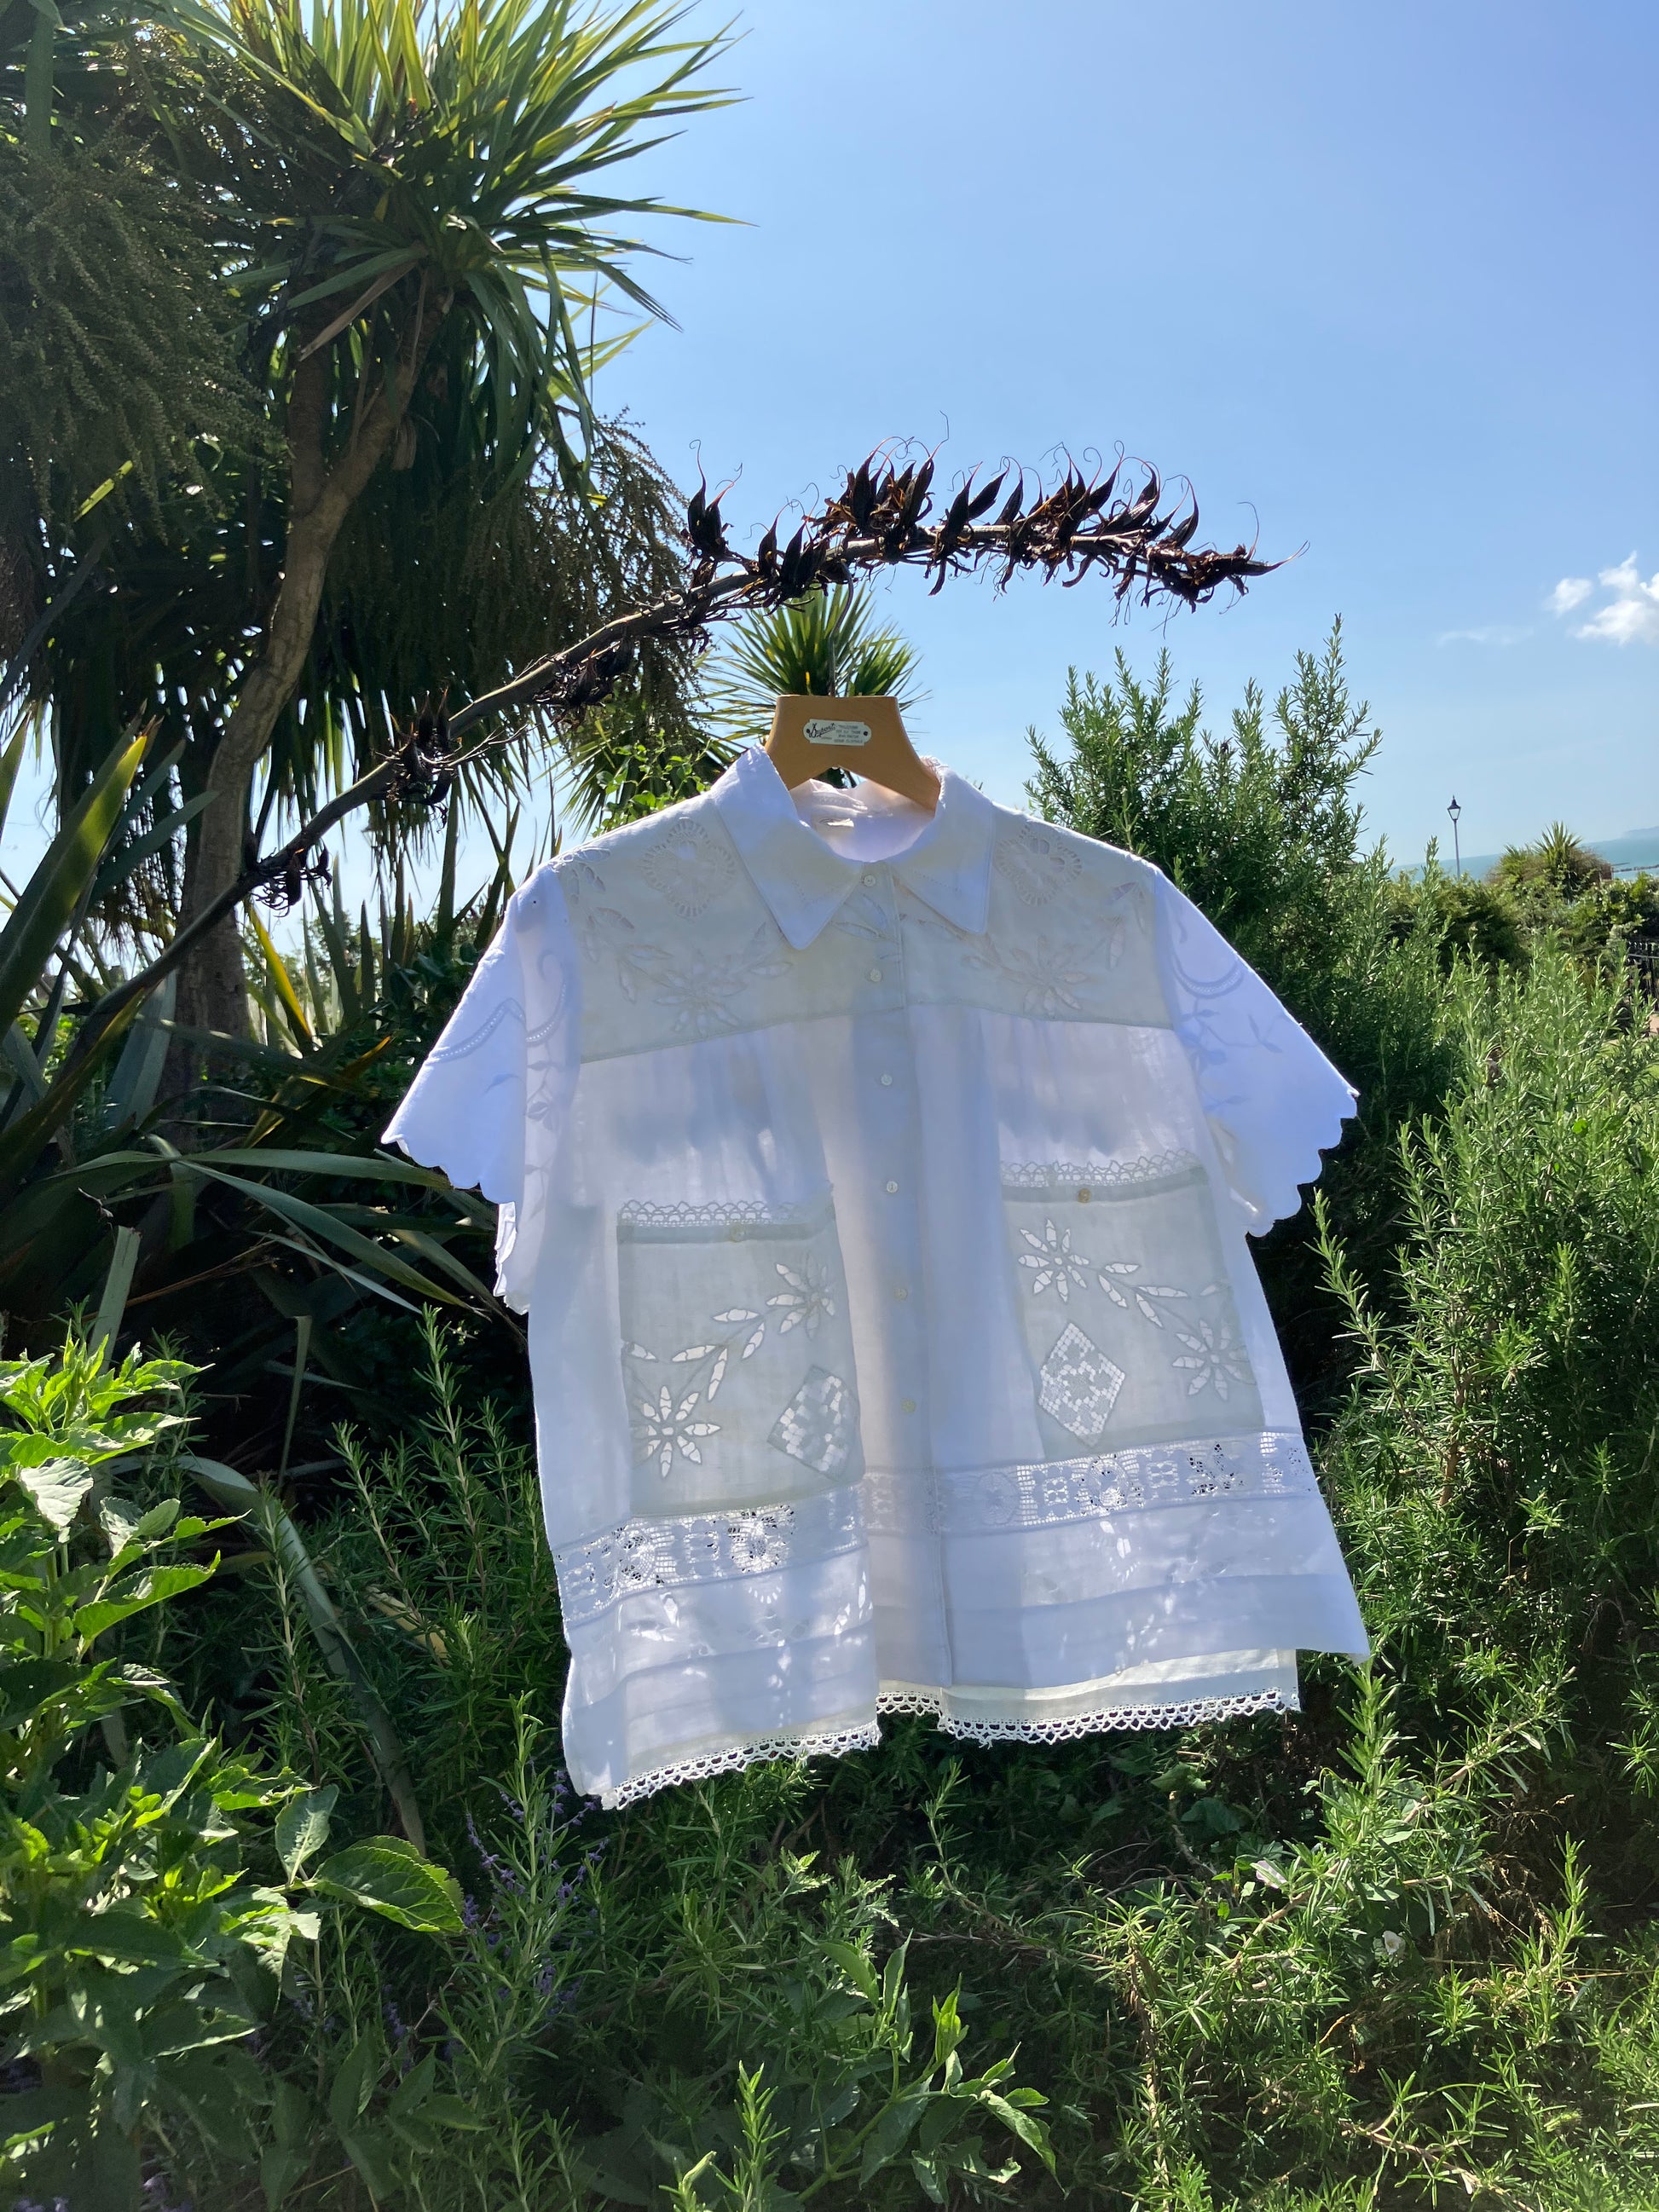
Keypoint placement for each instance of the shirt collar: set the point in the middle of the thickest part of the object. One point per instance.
(805, 881)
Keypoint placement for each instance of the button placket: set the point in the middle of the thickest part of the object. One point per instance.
(900, 1106)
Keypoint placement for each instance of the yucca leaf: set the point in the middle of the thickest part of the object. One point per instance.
(62, 880)
(282, 982)
(279, 1536)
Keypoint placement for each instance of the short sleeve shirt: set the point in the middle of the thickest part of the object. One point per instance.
(876, 1186)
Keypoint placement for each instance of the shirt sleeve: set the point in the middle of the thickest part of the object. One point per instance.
(1272, 1100)
(489, 1102)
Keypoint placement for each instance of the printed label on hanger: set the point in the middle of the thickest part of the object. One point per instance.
(821, 732)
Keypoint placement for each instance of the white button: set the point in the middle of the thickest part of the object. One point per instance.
(891, 1187)
(907, 1405)
(870, 877)
(886, 1082)
(875, 975)
(899, 1290)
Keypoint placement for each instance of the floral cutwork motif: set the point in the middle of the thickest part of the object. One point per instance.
(700, 990)
(1051, 974)
(1214, 1358)
(689, 865)
(1036, 863)
(807, 1297)
(1053, 1262)
(663, 1426)
(1094, 1175)
(1142, 1293)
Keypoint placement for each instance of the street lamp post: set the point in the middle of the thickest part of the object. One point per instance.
(1455, 811)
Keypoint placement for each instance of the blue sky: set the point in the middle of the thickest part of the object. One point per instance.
(1380, 282)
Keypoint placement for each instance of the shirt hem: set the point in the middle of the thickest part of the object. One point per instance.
(936, 1704)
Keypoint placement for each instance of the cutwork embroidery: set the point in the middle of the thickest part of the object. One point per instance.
(1054, 1261)
(640, 1214)
(699, 989)
(1037, 864)
(703, 1547)
(806, 1300)
(1048, 1493)
(817, 1426)
(689, 866)
(860, 916)
(664, 1425)
(1049, 976)
(1142, 1293)
(1214, 1356)
(1079, 1384)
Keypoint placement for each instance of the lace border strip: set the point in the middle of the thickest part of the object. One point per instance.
(683, 1549)
(866, 1736)
(1044, 1178)
(641, 1222)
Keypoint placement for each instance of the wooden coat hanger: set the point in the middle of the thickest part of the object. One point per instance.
(806, 740)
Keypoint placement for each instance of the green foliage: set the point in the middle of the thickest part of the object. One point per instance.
(601, 2026)
(1274, 1963)
(830, 644)
(251, 226)
(1585, 909)
(138, 1950)
(461, 155)
(1395, 1951)
(1558, 858)
(1500, 1446)
(1262, 828)
(299, 1213)
(118, 346)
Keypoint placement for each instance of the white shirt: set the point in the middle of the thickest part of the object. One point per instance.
(877, 1186)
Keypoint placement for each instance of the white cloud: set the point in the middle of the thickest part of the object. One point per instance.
(1491, 634)
(1630, 617)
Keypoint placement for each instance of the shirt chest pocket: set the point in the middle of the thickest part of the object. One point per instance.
(1128, 1316)
(737, 1354)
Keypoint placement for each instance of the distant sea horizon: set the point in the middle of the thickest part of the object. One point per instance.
(1632, 849)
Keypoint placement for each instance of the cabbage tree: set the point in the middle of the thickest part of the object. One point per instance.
(413, 211)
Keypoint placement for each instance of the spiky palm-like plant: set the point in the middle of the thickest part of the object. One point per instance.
(406, 205)
(830, 644)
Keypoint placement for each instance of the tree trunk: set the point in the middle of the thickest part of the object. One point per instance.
(212, 983)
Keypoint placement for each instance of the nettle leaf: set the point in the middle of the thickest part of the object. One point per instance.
(391, 1877)
(56, 1485)
(890, 2133)
(123, 1524)
(31, 1684)
(135, 1595)
(128, 1939)
(854, 1965)
(1029, 2132)
(302, 1828)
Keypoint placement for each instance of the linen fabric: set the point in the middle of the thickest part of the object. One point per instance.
(877, 1186)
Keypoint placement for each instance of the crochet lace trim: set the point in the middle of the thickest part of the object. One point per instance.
(1051, 1176)
(866, 1736)
(1095, 1720)
(808, 1743)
